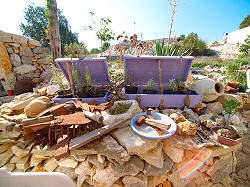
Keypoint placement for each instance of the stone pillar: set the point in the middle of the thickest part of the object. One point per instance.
(7, 76)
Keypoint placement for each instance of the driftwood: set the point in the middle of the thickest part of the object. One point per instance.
(86, 138)
(162, 124)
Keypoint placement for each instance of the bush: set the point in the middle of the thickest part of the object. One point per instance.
(75, 50)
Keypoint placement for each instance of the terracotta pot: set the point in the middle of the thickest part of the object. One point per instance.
(209, 88)
(224, 140)
(10, 92)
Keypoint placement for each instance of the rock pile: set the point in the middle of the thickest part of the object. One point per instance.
(21, 58)
(123, 158)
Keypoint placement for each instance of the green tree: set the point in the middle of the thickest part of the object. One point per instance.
(37, 22)
(198, 46)
(75, 50)
(102, 30)
(245, 22)
(94, 51)
(105, 46)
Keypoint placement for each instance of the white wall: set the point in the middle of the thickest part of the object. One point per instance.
(237, 36)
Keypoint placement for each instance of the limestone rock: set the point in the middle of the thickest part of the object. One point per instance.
(15, 60)
(93, 159)
(44, 99)
(5, 147)
(26, 60)
(235, 120)
(35, 161)
(35, 43)
(5, 37)
(23, 163)
(174, 153)
(246, 143)
(80, 180)
(5, 157)
(38, 50)
(42, 91)
(23, 69)
(42, 61)
(223, 150)
(177, 117)
(207, 121)
(138, 181)
(187, 128)
(19, 152)
(223, 98)
(50, 164)
(10, 50)
(214, 108)
(25, 51)
(34, 108)
(67, 171)
(6, 69)
(132, 167)
(153, 156)
(242, 160)
(150, 170)
(190, 115)
(68, 162)
(134, 109)
(46, 75)
(19, 39)
(84, 168)
(105, 177)
(10, 167)
(134, 143)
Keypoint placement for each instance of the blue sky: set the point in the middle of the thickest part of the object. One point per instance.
(209, 18)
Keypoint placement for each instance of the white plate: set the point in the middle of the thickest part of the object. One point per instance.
(148, 132)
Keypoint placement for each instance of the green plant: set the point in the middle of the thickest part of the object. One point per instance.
(245, 22)
(91, 86)
(75, 50)
(78, 78)
(172, 85)
(57, 78)
(215, 42)
(150, 84)
(231, 108)
(120, 108)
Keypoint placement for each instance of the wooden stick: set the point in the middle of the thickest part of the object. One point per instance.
(86, 138)
(72, 85)
(27, 122)
(93, 116)
(160, 76)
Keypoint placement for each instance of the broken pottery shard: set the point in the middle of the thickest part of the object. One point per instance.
(150, 170)
(174, 153)
(132, 167)
(134, 143)
(5, 157)
(105, 177)
(50, 164)
(154, 156)
(68, 162)
(93, 159)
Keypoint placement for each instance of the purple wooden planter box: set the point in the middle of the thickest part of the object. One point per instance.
(99, 73)
(143, 68)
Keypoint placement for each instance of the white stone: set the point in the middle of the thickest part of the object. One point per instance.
(25, 68)
(134, 109)
(15, 60)
(68, 162)
(84, 168)
(19, 152)
(174, 153)
(134, 143)
(50, 164)
(138, 181)
(154, 156)
(105, 177)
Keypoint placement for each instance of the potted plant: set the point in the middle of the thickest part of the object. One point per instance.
(130, 89)
(150, 87)
(91, 88)
(172, 86)
(228, 135)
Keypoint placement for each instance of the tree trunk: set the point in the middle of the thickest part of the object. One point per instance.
(101, 47)
(55, 41)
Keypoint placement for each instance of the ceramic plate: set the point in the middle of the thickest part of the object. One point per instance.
(148, 132)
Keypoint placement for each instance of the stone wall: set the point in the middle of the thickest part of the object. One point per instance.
(21, 58)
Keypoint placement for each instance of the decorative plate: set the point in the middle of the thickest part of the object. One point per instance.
(148, 131)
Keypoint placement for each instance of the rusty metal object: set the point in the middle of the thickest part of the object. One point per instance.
(62, 149)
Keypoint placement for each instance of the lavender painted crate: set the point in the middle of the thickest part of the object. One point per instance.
(143, 68)
(99, 72)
